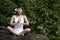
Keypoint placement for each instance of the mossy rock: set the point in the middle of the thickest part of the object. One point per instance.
(5, 35)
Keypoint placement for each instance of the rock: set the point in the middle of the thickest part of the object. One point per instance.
(6, 35)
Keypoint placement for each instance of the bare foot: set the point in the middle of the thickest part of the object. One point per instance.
(22, 34)
(17, 34)
(13, 36)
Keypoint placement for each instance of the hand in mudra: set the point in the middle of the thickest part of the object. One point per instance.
(19, 24)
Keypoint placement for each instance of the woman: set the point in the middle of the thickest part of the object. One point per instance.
(18, 21)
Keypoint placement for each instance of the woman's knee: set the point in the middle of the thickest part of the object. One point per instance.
(8, 27)
(28, 29)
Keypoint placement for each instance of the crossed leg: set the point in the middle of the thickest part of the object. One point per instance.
(11, 30)
(27, 30)
(21, 33)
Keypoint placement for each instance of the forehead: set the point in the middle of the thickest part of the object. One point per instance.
(19, 8)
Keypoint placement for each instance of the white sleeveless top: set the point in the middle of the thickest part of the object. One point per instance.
(18, 28)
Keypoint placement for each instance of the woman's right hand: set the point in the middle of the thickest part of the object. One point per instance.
(18, 24)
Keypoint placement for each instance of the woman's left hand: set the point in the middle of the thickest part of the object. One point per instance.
(19, 24)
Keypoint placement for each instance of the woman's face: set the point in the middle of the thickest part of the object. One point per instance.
(19, 11)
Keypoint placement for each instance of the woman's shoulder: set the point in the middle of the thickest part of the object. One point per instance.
(14, 16)
(24, 15)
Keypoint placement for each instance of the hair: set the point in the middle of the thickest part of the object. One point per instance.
(19, 7)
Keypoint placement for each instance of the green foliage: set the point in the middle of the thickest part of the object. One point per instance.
(6, 11)
(43, 15)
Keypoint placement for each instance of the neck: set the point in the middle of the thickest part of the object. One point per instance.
(19, 14)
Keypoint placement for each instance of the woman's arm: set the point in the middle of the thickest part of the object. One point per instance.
(11, 21)
(26, 21)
